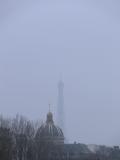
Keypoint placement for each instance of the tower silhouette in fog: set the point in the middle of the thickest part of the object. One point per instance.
(60, 108)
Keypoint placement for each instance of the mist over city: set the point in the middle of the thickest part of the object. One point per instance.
(43, 43)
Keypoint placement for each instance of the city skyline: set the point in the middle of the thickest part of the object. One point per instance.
(80, 39)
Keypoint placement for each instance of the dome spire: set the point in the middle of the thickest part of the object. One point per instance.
(49, 107)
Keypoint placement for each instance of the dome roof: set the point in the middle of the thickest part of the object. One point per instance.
(49, 131)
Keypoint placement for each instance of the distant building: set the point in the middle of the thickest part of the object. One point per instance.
(116, 148)
(60, 108)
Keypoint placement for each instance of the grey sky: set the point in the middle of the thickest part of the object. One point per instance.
(39, 40)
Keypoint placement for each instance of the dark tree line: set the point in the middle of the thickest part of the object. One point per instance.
(17, 138)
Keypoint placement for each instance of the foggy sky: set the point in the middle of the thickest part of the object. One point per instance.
(40, 40)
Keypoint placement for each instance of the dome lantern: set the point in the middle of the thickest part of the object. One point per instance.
(49, 118)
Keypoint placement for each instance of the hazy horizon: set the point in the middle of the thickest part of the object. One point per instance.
(39, 41)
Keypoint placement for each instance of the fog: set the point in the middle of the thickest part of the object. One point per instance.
(42, 42)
